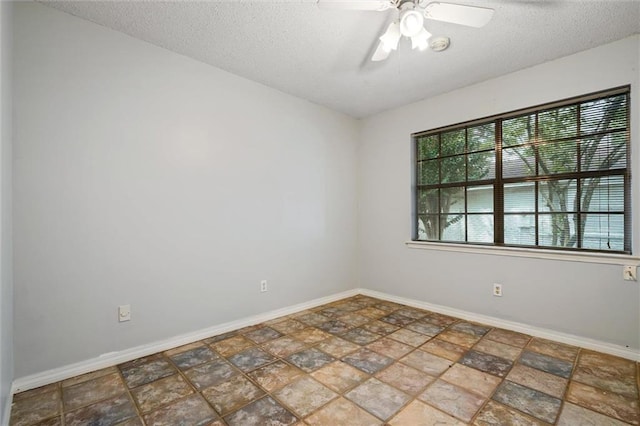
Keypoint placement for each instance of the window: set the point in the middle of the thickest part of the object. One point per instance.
(554, 176)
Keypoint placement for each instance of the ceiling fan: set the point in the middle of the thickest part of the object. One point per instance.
(410, 20)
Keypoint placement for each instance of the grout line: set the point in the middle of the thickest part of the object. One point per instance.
(130, 395)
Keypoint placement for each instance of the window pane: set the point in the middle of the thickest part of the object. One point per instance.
(558, 123)
(428, 201)
(428, 227)
(604, 114)
(519, 130)
(603, 232)
(453, 169)
(427, 172)
(605, 194)
(452, 200)
(482, 137)
(557, 230)
(520, 229)
(557, 157)
(520, 197)
(604, 152)
(428, 147)
(482, 165)
(480, 228)
(480, 199)
(518, 162)
(453, 142)
(557, 196)
(452, 227)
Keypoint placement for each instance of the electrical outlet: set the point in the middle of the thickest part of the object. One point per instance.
(124, 313)
(263, 286)
(629, 273)
(497, 290)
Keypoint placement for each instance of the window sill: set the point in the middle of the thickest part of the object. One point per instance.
(605, 258)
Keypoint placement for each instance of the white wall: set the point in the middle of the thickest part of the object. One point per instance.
(587, 300)
(6, 267)
(144, 177)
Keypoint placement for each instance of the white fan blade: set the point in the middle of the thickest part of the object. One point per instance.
(470, 16)
(375, 5)
(381, 53)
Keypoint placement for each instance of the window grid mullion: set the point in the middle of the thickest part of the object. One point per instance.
(537, 185)
(466, 179)
(498, 189)
(578, 214)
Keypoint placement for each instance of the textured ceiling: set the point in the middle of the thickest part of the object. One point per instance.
(322, 55)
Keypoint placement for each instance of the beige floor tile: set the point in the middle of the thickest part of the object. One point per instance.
(339, 376)
(391, 348)
(508, 337)
(539, 380)
(574, 415)
(311, 335)
(409, 337)
(89, 376)
(371, 313)
(476, 381)
(53, 387)
(405, 378)
(92, 391)
(112, 411)
(232, 394)
(337, 347)
(420, 414)
(193, 410)
(232, 345)
(35, 406)
(498, 349)
(274, 376)
(342, 412)
(378, 398)
(495, 414)
(152, 396)
(380, 327)
(288, 326)
(263, 411)
(444, 349)
(554, 349)
(604, 402)
(607, 372)
(453, 400)
(459, 338)
(284, 346)
(354, 320)
(305, 395)
(427, 363)
(184, 348)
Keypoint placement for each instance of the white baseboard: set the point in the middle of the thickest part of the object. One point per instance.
(6, 414)
(544, 333)
(113, 358)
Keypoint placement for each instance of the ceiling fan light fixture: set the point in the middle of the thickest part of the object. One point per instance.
(439, 44)
(411, 22)
(391, 37)
(420, 41)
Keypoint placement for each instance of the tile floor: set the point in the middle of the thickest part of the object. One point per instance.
(358, 361)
